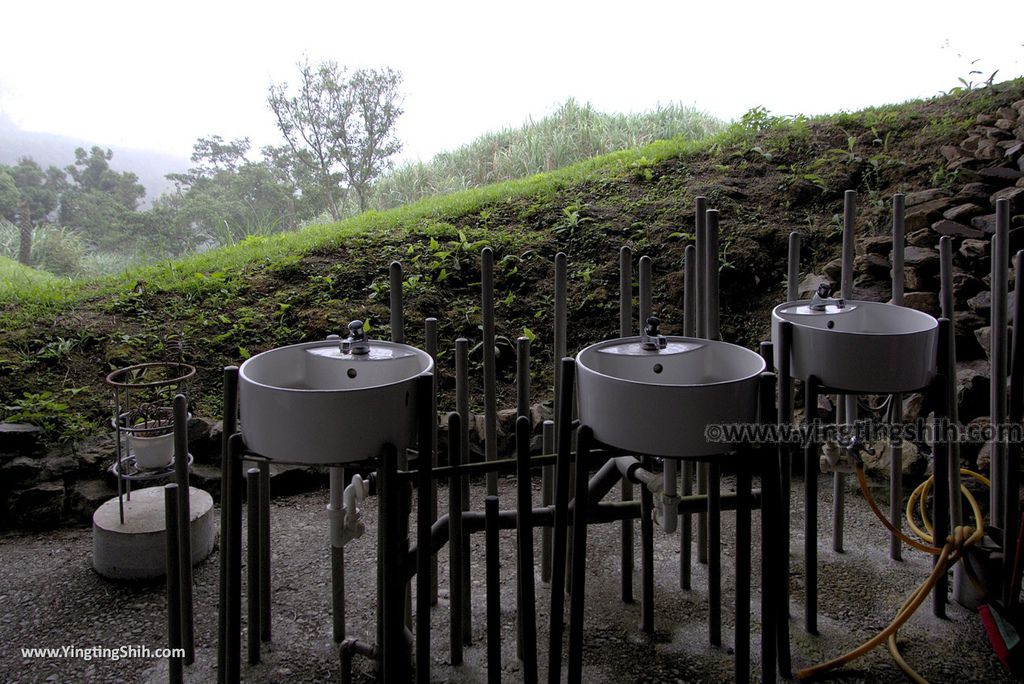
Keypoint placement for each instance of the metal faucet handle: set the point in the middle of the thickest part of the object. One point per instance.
(355, 329)
(855, 446)
(825, 290)
(653, 326)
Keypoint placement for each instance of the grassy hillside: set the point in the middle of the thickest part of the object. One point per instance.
(766, 175)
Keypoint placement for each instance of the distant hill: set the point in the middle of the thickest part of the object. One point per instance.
(58, 150)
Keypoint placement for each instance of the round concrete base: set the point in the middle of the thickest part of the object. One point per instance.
(135, 550)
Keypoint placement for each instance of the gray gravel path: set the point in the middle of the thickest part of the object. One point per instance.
(49, 596)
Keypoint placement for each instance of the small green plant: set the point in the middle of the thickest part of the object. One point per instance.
(51, 412)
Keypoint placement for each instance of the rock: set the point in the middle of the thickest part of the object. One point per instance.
(880, 244)
(986, 223)
(951, 152)
(965, 286)
(20, 439)
(38, 507)
(973, 250)
(912, 199)
(972, 193)
(923, 258)
(86, 496)
(996, 133)
(963, 212)
(1018, 107)
(954, 229)
(981, 304)
(1013, 195)
(872, 289)
(919, 279)
(964, 325)
(203, 444)
(984, 336)
(873, 265)
(834, 270)
(912, 407)
(928, 302)
(1006, 124)
(1014, 151)
(21, 471)
(988, 150)
(296, 479)
(976, 452)
(207, 478)
(922, 238)
(986, 119)
(1007, 113)
(921, 215)
(1000, 173)
(972, 390)
(809, 285)
(95, 454)
(876, 466)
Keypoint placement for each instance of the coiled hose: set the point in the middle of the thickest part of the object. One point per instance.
(951, 552)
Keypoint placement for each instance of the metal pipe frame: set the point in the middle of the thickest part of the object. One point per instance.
(462, 407)
(252, 587)
(188, 639)
(490, 381)
(547, 498)
(741, 638)
(945, 386)
(626, 564)
(849, 402)
(997, 411)
(526, 611)
(493, 591)
(715, 554)
(896, 414)
(558, 561)
(579, 550)
(174, 664)
(946, 298)
(455, 546)
(230, 423)
(770, 506)
(811, 392)
(1015, 415)
(424, 521)
(689, 330)
(430, 346)
(397, 309)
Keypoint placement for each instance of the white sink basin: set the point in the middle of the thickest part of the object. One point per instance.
(866, 347)
(309, 403)
(660, 402)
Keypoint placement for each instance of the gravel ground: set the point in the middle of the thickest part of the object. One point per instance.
(50, 597)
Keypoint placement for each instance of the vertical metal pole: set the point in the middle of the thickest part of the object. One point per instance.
(426, 419)
(810, 508)
(265, 609)
(430, 344)
(769, 535)
(230, 423)
(397, 313)
(626, 330)
(700, 238)
(523, 377)
(493, 590)
(946, 299)
(850, 402)
(526, 613)
(233, 556)
(579, 562)
(646, 555)
(336, 510)
(715, 553)
(547, 499)
(462, 406)
(564, 435)
(645, 290)
(393, 495)
(689, 330)
(944, 385)
(793, 268)
(896, 445)
(785, 403)
(455, 560)
(1015, 415)
(490, 382)
(188, 638)
(174, 664)
(1000, 276)
(743, 542)
(711, 273)
(252, 587)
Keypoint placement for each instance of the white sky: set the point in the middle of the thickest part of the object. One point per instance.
(159, 75)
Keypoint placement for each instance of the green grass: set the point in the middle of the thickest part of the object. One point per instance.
(569, 135)
(19, 280)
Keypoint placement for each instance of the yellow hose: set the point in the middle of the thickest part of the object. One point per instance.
(952, 551)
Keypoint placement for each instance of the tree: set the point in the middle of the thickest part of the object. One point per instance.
(39, 194)
(342, 128)
(100, 203)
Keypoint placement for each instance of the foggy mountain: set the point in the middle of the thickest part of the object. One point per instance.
(58, 150)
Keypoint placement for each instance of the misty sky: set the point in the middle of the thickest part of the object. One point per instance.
(159, 75)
